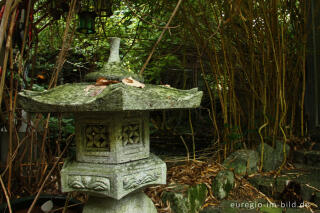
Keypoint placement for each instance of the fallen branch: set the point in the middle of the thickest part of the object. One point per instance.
(312, 187)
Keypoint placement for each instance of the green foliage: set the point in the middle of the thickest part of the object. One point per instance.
(158, 67)
(63, 127)
(230, 37)
(196, 197)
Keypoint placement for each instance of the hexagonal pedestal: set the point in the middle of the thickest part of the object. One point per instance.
(115, 181)
(136, 202)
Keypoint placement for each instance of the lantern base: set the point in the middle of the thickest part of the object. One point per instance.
(134, 203)
(112, 180)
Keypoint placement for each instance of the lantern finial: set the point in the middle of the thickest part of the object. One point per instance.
(114, 50)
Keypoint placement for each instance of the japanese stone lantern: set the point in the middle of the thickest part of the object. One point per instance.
(113, 163)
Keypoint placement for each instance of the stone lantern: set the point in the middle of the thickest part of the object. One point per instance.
(113, 163)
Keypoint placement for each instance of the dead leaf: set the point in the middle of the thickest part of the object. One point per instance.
(41, 77)
(104, 82)
(128, 80)
(131, 82)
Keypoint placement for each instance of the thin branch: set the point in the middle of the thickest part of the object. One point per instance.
(142, 19)
(6, 194)
(4, 21)
(67, 38)
(160, 37)
(49, 174)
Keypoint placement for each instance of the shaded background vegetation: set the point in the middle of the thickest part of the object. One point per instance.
(249, 58)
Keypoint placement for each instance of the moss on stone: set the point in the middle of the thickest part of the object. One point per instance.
(196, 197)
(113, 71)
(268, 209)
(81, 97)
(177, 200)
(223, 183)
(242, 162)
(186, 199)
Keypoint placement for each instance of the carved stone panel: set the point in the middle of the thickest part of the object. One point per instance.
(131, 134)
(136, 180)
(96, 137)
(83, 182)
(113, 137)
(112, 180)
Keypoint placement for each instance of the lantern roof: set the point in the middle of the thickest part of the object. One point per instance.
(85, 97)
(124, 93)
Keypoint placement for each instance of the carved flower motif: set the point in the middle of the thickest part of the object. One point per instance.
(131, 134)
(96, 136)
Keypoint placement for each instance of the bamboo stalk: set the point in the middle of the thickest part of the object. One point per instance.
(6, 194)
(67, 38)
(49, 174)
(4, 21)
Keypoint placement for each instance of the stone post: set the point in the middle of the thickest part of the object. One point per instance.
(114, 50)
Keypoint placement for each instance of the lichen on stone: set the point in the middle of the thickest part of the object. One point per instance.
(113, 71)
(85, 97)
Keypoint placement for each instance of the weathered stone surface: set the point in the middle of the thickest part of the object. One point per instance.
(112, 137)
(114, 50)
(177, 198)
(297, 210)
(211, 209)
(85, 97)
(249, 211)
(311, 158)
(133, 203)
(196, 197)
(228, 206)
(274, 187)
(268, 209)
(273, 157)
(112, 71)
(242, 162)
(185, 199)
(267, 185)
(115, 181)
(223, 183)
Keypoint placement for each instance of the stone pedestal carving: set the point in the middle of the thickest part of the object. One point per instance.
(112, 180)
(112, 162)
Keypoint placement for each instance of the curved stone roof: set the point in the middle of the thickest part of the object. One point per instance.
(86, 97)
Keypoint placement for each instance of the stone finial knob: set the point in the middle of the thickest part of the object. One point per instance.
(114, 50)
